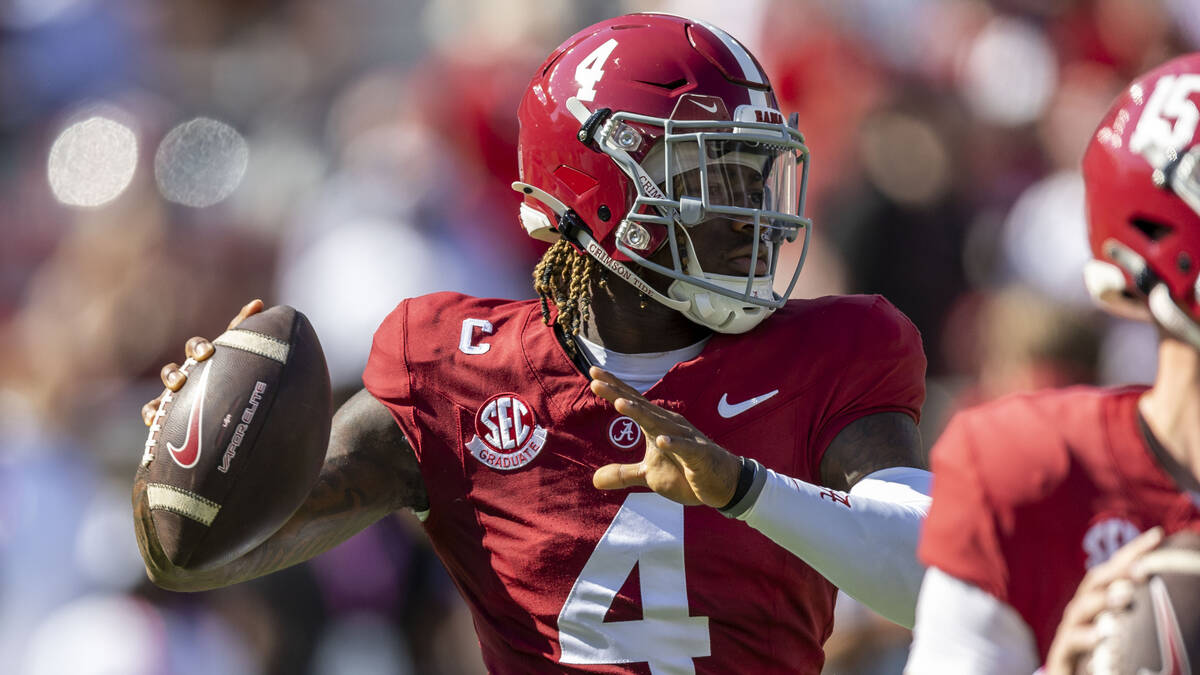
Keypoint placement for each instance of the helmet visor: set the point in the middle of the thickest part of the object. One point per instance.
(733, 179)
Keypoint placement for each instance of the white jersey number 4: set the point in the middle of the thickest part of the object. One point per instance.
(647, 532)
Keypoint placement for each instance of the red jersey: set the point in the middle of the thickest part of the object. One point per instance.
(562, 577)
(1032, 490)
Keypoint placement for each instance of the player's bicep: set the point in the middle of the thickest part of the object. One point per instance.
(869, 444)
(963, 629)
(370, 459)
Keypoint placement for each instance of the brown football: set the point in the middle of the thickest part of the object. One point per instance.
(234, 452)
(1159, 633)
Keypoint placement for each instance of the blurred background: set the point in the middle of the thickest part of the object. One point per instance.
(161, 163)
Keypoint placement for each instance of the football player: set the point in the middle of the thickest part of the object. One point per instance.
(1034, 490)
(661, 365)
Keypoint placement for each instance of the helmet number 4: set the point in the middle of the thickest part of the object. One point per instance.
(647, 532)
(1171, 100)
(591, 69)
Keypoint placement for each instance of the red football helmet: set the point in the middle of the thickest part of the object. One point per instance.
(1142, 176)
(648, 121)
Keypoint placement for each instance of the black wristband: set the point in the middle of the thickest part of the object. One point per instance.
(744, 483)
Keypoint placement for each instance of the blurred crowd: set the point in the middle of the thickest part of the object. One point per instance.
(161, 163)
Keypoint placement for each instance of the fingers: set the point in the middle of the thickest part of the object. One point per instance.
(198, 348)
(1084, 607)
(619, 476)
(1106, 587)
(1122, 562)
(172, 377)
(149, 409)
(612, 385)
(249, 309)
(1143, 544)
(1069, 646)
(680, 446)
(653, 419)
(628, 403)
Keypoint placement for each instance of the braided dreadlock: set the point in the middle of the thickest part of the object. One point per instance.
(564, 276)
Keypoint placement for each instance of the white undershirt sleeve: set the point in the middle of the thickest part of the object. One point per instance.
(962, 628)
(864, 542)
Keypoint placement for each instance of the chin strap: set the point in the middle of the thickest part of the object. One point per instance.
(713, 310)
(1171, 316)
(721, 312)
(1106, 283)
(579, 235)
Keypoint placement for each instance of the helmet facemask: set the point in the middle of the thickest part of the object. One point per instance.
(701, 170)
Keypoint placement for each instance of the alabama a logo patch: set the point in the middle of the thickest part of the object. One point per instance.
(507, 436)
(624, 433)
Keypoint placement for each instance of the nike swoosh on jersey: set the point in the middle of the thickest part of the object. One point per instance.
(1171, 646)
(188, 454)
(726, 409)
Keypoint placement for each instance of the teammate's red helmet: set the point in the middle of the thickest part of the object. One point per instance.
(624, 124)
(1142, 177)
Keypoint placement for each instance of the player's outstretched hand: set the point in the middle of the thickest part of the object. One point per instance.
(681, 463)
(197, 349)
(1106, 586)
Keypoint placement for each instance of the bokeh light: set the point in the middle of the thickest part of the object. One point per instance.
(200, 162)
(19, 14)
(91, 162)
(905, 158)
(1009, 73)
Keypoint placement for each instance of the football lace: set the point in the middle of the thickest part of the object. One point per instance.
(163, 405)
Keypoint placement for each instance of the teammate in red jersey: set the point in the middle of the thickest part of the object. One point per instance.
(654, 156)
(1034, 490)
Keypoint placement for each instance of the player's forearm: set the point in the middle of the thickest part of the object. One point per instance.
(345, 500)
(370, 471)
(864, 542)
(167, 575)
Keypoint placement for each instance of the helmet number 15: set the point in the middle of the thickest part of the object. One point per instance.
(1171, 100)
(591, 69)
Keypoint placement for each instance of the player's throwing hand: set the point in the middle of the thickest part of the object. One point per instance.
(681, 463)
(197, 349)
(1099, 590)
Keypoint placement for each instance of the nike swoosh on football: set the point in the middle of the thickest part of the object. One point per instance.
(188, 454)
(727, 409)
(712, 108)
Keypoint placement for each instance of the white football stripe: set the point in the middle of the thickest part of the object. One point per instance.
(177, 500)
(750, 72)
(255, 343)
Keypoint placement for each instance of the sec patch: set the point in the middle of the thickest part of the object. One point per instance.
(507, 436)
